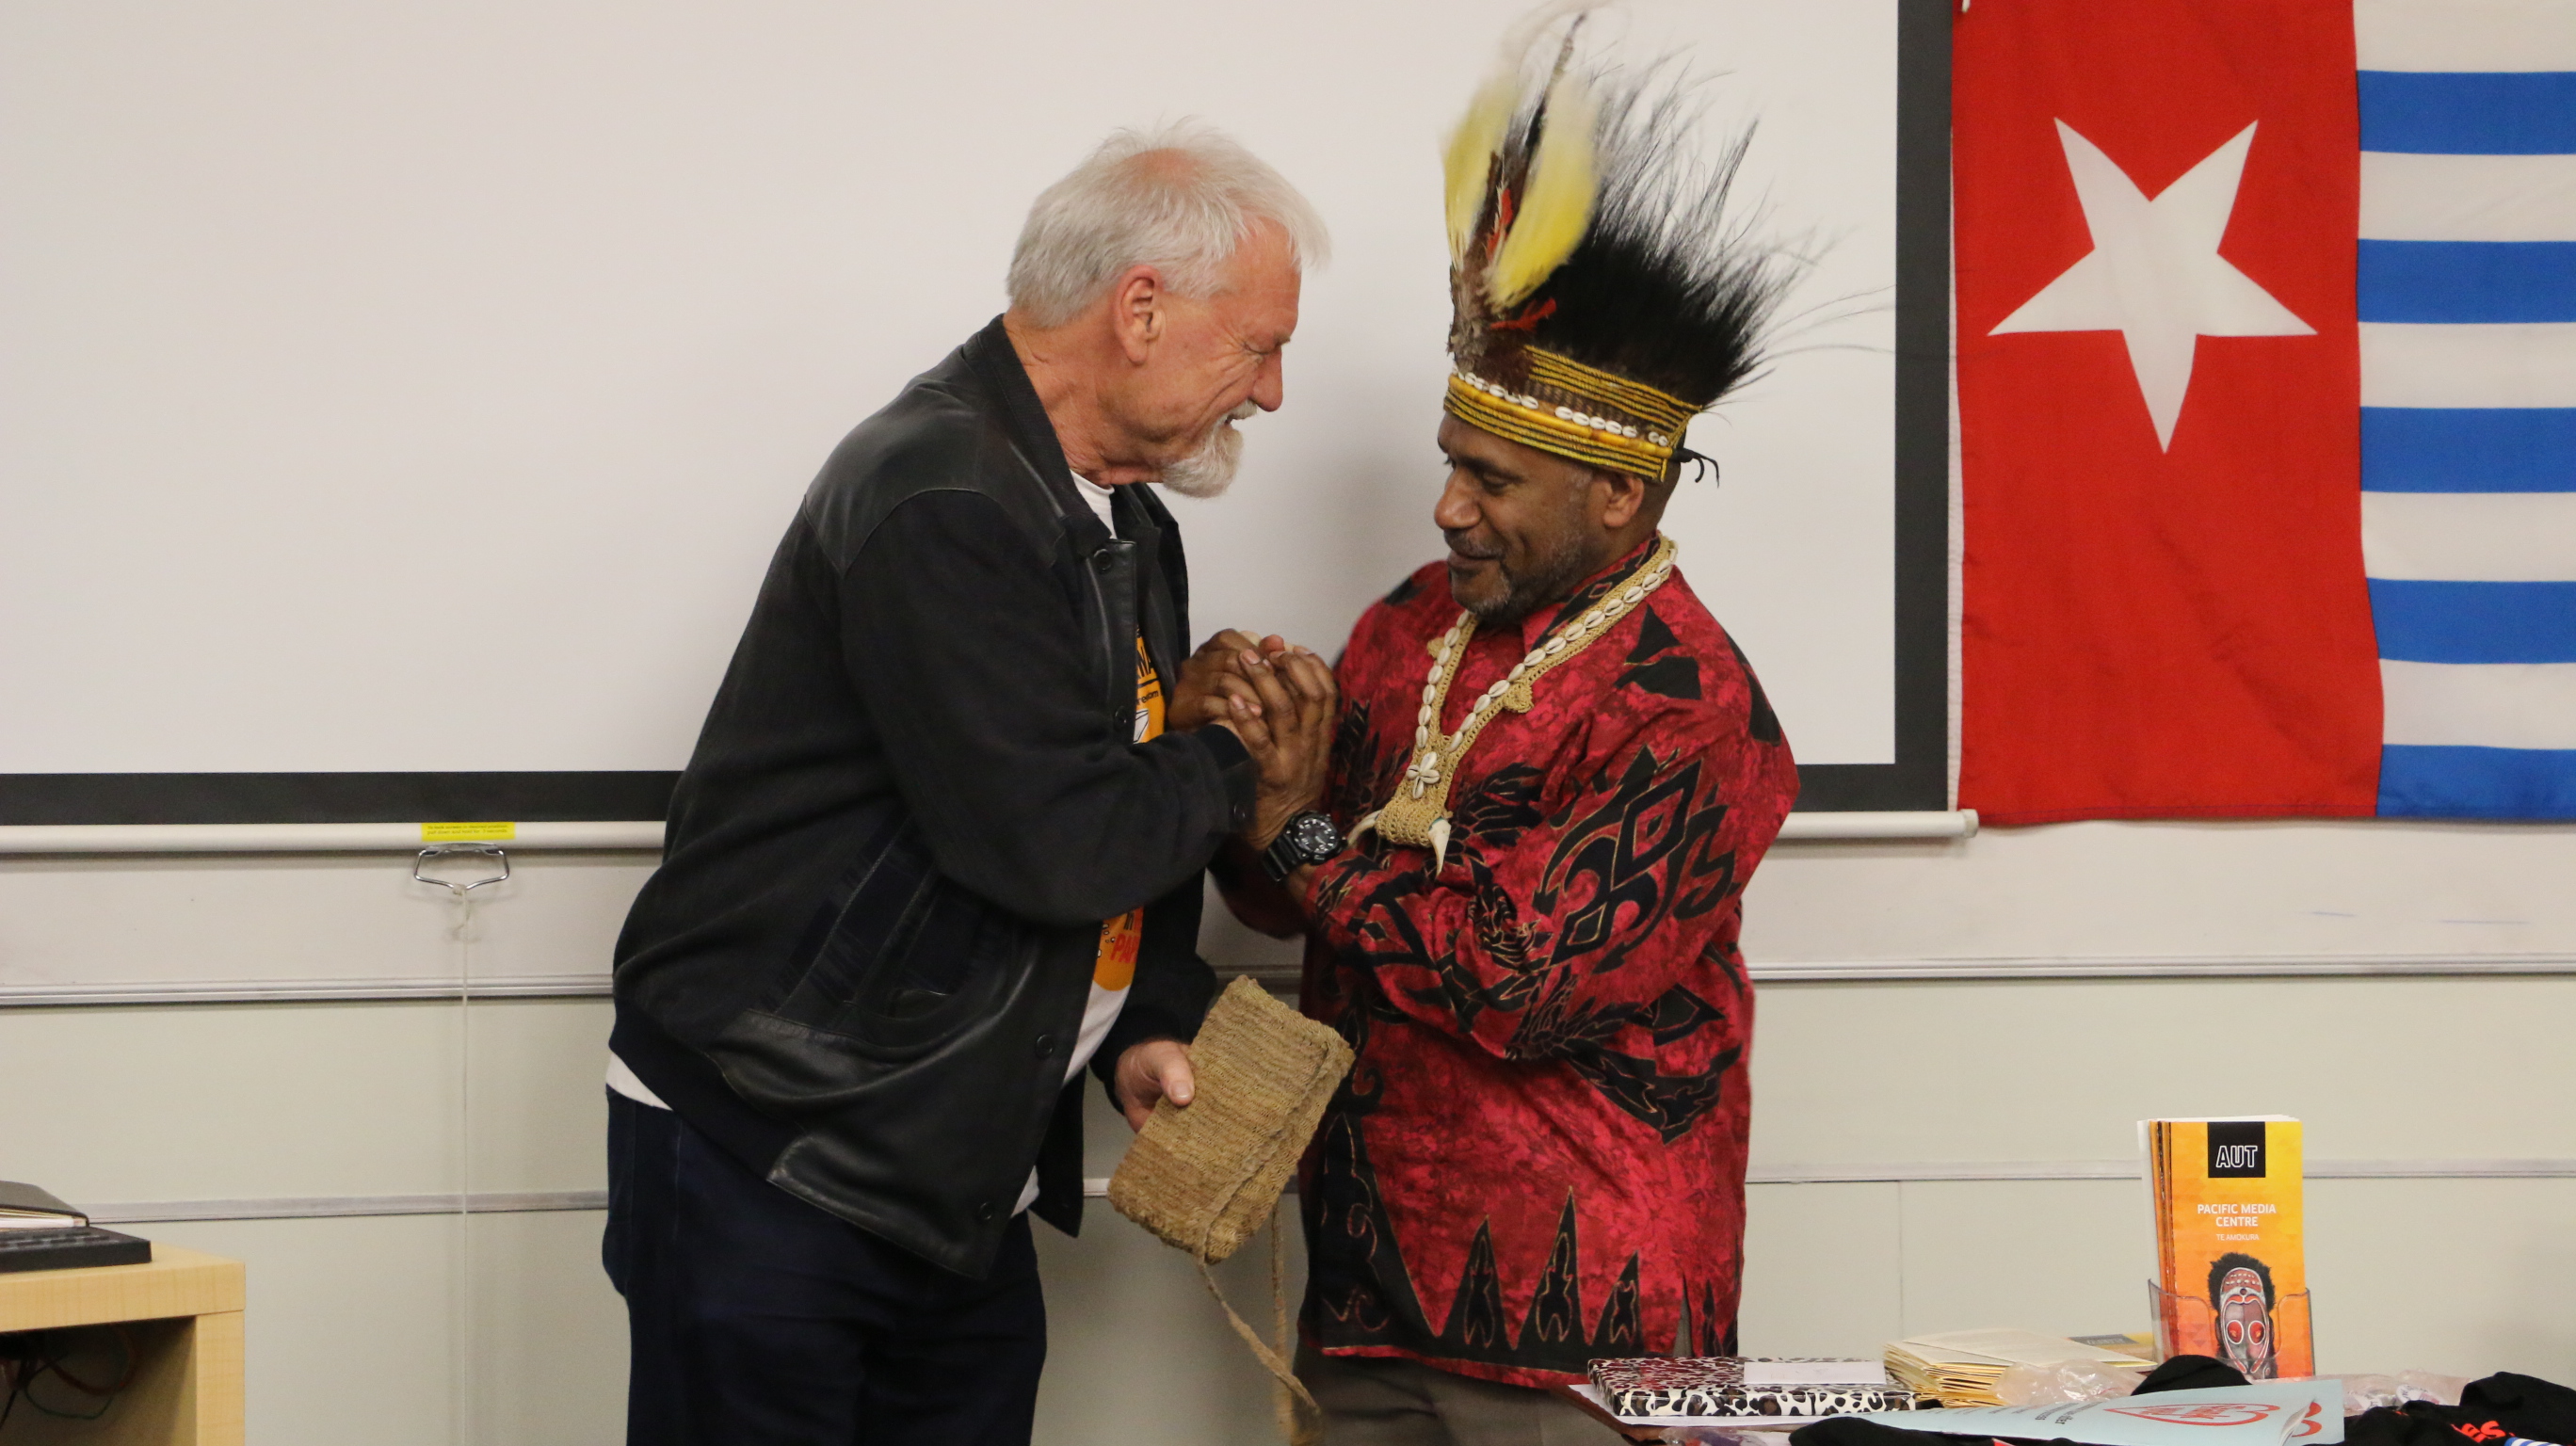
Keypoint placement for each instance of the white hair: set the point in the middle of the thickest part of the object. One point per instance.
(1178, 197)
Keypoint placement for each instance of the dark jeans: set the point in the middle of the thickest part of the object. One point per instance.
(755, 1319)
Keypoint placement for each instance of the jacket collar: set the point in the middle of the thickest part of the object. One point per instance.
(997, 365)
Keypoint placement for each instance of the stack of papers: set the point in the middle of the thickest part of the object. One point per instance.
(1961, 1367)
(24, 1207)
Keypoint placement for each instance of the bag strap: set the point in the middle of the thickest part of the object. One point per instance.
(1302, 1427)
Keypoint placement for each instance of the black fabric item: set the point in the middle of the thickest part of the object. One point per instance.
(754, 1320)
(1852, 1431)
(2525, 1405)
(2190, 1373)
(916, 797)
(2490, 1410)
(2384, 1426)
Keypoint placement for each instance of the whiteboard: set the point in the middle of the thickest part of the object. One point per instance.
(419, 390)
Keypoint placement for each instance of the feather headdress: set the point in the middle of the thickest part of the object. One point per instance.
(1604, 292)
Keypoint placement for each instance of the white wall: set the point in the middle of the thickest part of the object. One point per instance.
(424, 385)
(382, 1325)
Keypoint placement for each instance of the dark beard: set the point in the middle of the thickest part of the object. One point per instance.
(1552, 575)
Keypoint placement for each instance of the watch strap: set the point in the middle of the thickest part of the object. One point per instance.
(1282, 857)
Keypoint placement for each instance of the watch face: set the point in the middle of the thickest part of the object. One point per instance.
(1314, 836)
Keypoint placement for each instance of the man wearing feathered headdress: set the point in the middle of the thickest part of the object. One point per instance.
(1553, 777)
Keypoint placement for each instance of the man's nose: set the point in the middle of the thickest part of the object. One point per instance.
(1456, 510)
(1270, 388)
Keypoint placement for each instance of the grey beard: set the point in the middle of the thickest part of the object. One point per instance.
(1210, 470)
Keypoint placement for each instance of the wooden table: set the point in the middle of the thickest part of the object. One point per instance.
(183, 1313)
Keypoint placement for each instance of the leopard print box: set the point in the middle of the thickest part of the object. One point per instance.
(1714, 1386)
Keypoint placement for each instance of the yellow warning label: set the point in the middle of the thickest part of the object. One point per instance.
(467, 832)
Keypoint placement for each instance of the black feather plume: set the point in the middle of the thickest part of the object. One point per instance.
(1669, 287)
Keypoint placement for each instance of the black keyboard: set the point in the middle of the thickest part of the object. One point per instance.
(65, 1249)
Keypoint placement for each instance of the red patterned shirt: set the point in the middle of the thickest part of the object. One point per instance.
(1539, 1157)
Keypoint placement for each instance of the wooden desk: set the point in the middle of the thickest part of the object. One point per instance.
(184, 1315)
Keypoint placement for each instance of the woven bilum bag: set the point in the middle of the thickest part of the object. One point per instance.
(1207, 1178)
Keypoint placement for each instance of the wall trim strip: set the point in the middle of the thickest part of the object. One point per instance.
(310, 838)
(594, 985)
(1941, 1172)
(591, 985)
(326, 1207)
(2166, 966)
(645, 836)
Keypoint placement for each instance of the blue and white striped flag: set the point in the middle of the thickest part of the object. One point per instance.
(2467, 303)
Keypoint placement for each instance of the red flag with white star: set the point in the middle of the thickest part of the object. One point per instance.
(2163, 605)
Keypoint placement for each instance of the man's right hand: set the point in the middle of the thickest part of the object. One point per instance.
(1284, 708)
(1197, 700)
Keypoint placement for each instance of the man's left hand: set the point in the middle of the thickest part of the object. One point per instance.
(1154, 1070)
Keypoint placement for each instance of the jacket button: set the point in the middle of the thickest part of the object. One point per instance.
(1046, 1045)
(984, 1213)
(1103, 560)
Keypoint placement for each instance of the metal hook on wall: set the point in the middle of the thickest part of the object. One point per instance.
(435, 852)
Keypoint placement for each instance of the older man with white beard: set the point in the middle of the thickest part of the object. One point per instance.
(940, 842)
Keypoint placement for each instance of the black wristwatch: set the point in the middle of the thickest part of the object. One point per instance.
(1309, 838)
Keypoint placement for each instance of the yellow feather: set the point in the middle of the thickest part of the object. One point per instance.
(1467, 162)
(1556, 203)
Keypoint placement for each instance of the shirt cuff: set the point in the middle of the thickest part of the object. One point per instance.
(1233, 764)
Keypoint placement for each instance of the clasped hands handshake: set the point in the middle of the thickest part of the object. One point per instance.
(1281, 701)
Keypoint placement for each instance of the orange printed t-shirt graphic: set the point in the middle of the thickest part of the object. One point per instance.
(1119, 938)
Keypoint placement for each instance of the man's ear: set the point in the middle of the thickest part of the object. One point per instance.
(1136, 311)
(1623, 495)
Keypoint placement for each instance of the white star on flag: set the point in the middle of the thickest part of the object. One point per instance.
(2154, 274)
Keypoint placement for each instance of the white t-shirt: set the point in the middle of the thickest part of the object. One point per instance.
(1098, 1013)
(1101, 1011)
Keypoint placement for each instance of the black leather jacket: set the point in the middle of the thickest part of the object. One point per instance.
(864, 959)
